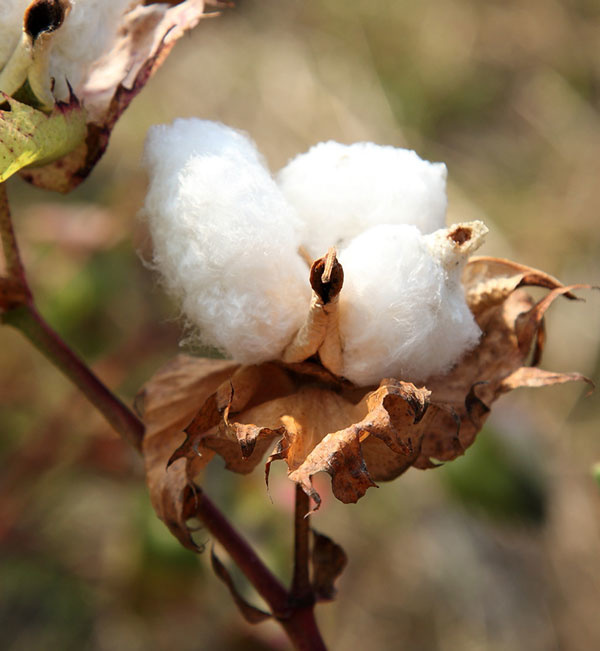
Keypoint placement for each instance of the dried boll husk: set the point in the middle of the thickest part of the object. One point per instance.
(315, 421)
(341, 190)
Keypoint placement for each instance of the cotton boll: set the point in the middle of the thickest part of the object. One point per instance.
(225, 239)
(87, 32)
(402, 310)
(341, 190)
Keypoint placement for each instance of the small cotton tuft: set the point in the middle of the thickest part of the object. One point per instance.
(402, 310)
(225, 240)
(89, 31)
(341, 190)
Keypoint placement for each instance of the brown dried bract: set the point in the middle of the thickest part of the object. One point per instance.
(146, 36)
(319, 335)
(318, 422)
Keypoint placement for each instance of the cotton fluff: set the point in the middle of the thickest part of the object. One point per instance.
(225, 239)
(402, 309)
(341, 190)
(88, 31)
(11, 25)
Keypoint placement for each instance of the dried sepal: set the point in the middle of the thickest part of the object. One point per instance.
(328, 561)
(488, 281)
(250, 613)
(320, 335)
(316, 421)
(167, 405)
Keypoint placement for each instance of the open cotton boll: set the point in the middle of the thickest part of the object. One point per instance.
(88, 31)
(402, 309)
(224, 239)
(341, 190)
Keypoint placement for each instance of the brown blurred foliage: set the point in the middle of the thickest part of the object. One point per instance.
(498, 550)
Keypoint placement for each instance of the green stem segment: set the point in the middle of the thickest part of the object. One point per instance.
(14, 265)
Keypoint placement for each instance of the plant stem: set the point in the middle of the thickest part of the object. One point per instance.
(31, 324)
(265, 582)
(298, 621)
(301, 592)
(14, 265)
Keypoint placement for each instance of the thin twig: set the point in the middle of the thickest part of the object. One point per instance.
(14, 265)
(301, 593)
(266, 583)
(31, 324)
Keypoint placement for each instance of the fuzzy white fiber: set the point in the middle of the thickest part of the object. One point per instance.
(225, 240)
(402, 308)
(88, 32)
(11, 26)
(341, 190)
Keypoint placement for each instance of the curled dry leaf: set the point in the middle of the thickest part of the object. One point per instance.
(250, 613)
(146, 36)
(328, 562)
(166, 405)
(316, 421)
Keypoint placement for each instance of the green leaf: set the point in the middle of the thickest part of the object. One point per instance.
(31, 137)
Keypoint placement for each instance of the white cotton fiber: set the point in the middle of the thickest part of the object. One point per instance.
(225, 240)
(87, 33)
(341, 190)
(11, 24)
(402, 309)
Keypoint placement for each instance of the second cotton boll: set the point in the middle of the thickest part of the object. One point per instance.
(88, 31)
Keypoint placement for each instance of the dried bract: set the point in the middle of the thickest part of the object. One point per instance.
(316, 421)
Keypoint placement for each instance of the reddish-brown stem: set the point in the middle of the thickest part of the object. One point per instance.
(266, 583)
(297, 620)
(31, 324)
(301, 592)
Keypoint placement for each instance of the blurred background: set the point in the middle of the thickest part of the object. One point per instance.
(499, 550)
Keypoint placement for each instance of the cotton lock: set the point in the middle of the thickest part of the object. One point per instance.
(341, 190)
(225, 240)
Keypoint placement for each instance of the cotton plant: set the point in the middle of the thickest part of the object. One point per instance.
(68, 69)
(360, 335)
